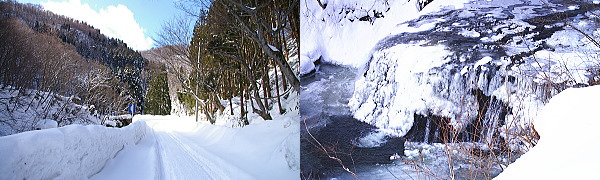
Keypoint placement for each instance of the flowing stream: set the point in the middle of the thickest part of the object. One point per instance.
(362, 148)
(324, 109)
(474, 89)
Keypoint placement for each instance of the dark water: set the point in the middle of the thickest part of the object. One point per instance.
(323, 107)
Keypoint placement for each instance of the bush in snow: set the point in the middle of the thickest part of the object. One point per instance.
(26, 110)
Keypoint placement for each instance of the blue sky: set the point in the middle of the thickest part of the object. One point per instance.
(135, 22)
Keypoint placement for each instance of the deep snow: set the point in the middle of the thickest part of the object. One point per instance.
(159, 147)
(70, 152)
(568, 145)
(179, 148)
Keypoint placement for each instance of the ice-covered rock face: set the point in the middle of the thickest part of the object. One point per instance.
(478, 69)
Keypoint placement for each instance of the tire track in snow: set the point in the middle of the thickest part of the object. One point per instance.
(180, 158)
(159, 165)
(213, 164)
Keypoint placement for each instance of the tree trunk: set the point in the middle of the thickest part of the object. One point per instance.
(208, 115)
(265, 85)
(217, 102)
(262, 111)
(281, 111)
(284, 66)
(242, 105)
(231, 106)
(259, 36)
(242, 110)
(250, 98)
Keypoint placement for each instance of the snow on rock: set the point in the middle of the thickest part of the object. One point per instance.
(345, 31)
(373, 139)
(568, 123)
(471, 33)
(448, 71)
(563, 67)
(483, 61)
(394, 88)
(306, 67)
(110, 123)
(70, 152)
(412, 153)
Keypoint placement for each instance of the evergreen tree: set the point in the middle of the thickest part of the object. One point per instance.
(157, 97)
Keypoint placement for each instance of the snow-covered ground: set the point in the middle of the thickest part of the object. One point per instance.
(70, 152)
(157, 147)
(568, 145)
(179, 148)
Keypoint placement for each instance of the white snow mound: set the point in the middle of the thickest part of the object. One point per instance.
(568, 123)
(70, 152)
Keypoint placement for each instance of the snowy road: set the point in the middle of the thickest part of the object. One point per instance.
(177, 148)
(179, 156)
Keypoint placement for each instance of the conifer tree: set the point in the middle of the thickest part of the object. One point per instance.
(157, 97)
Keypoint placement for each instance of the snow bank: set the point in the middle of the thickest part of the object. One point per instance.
(289, 103)
(568, 145)
(267, 150)
(70, 152)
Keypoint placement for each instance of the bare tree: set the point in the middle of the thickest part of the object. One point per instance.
(175, 37)
(174, 41)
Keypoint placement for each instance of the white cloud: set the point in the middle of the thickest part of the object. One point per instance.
(113, 21)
